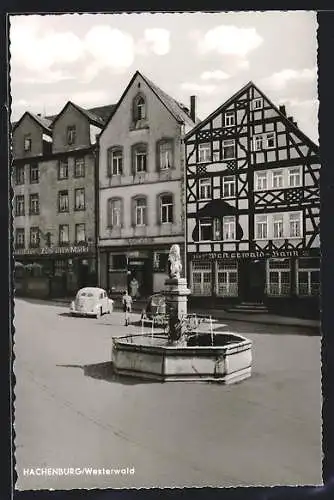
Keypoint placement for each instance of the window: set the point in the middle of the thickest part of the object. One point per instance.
(166, 209)
(229, 186)
(27, 143)
(114, 214)
(64, 234)
(139, 108)
(34, 237)
(278, 231)
(80, 233)
(308, 276)
(140, 212)
(229, 119)
(79, 199)
(277, 179)
(295, 224)
(258, 142)
(261, 227)
(34, 204)
(229, 149)
(278, 277)
(217, 229)
(271, 140)
(165, 155)
(139, 158)
(227, 278)
(205, 189)
(71, 132)
(257, 103)
(63, 205)
(19, 205)
(201, 278)
(205, 229)
(19, 175)
(63, 169)
(204, 153)
(115, 161)
(19, 238)
(229, 228)
(34, 173)
(261, 181)
(79, 167)
(294, 175)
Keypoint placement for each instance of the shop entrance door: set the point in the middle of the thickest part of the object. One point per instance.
(140, 277)
(254, 280)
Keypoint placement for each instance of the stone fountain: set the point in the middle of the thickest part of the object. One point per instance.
(187, 352)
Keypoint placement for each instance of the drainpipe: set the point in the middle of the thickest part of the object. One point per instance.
(96, 208)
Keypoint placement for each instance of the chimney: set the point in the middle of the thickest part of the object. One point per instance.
(39, 114)
(282, 109)
(193, 107)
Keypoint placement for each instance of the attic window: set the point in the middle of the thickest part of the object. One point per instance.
(71, 134)
(139, 108)
(257, 103)
(27, 143)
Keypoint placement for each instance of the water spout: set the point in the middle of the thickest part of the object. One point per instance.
(211, 330)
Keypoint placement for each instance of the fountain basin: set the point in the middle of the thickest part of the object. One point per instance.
(222, 357)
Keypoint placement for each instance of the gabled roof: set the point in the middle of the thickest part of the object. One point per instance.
(45, 123)
(177, 110)
(239, 93)
(93, 118)
(103, 112)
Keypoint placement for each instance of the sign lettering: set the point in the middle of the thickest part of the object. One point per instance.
(248, 254)
(54, 250)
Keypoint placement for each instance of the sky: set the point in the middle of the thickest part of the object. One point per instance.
(90, 58)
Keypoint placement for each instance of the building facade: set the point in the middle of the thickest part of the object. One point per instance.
(141, 181)
(54, 213)
(252, 189)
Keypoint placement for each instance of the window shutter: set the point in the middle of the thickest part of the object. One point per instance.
(133, 212)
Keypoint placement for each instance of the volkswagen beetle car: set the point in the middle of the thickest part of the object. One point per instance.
(91, 301)
(155, 308)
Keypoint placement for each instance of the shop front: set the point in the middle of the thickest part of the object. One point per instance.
(54, 271)
(280, 279)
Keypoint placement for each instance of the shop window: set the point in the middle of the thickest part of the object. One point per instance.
(201, 278)
(227, 279)
(115, 161)
(79, 167)
(229, 186)
(79, 199)
(34, 173)
(63, 169)
(160, 262)
(34, 204)
(19, 174)
(114, 212)
(279, 277)
(60, 267)
(63, 204)
(308, 277)
(19, 205)
(205, 190)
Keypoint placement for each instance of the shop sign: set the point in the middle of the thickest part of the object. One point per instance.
(248, 254)
(76, 249)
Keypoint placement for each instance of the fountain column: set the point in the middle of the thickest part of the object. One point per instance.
(176, 293)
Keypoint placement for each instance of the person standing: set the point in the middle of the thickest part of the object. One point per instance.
(134, 285)
(127, 306)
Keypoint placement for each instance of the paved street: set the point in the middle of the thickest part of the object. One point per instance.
(71, 412)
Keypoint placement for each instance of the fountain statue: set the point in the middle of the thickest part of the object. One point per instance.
(186, 353)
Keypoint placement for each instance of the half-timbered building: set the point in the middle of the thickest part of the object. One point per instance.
(252, 204)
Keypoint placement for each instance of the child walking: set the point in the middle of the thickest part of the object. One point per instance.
(127, 305)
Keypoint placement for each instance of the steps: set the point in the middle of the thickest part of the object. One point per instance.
(249, 308)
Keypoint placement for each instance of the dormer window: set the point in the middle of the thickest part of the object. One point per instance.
(27, 143)
(139, 108)
(71, 135)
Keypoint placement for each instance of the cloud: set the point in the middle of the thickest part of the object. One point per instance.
(215, 75)
(280, 80)
(158, 40)
(229, 39)
(197, 87)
